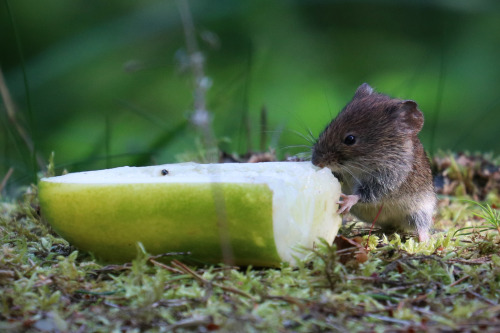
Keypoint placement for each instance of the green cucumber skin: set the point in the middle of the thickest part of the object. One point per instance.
(109, 220)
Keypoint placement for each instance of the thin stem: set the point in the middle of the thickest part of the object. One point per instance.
(263, 128)
(107, 143)
(373, 224)
(201, 117)
(6, 179)
(439, 102)
(12, 116)
(179, 265)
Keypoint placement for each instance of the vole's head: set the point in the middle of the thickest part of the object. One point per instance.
(372, 132)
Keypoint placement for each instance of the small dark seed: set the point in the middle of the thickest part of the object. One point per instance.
(164, 172)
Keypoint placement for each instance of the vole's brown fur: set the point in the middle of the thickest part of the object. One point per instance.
(373, 148)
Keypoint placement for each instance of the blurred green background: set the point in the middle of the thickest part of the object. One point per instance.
(108, 83)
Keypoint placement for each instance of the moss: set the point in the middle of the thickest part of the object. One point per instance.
(450, 282)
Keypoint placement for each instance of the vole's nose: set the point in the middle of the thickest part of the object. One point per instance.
(316, 160)
(317, 163)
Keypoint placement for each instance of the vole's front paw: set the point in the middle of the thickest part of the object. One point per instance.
(347, 202)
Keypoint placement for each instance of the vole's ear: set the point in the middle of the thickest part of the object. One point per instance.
(409, 113)
(363, 91)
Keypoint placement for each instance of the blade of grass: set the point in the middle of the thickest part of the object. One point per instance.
(477, 230)
(491, 217)
(143, 114)
(11, 112)
(107, 141)
(162, 141)
(35, 158)
(6, 179)
(246, 125)
(13, 145)
(263, 128)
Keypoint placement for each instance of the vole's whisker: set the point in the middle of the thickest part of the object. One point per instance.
(297, 146)
(310, 140)
(311, 136)
(351, 173)
(358, 166)
(304, 155)
(362, 168)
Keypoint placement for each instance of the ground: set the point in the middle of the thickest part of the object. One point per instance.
(380, 283)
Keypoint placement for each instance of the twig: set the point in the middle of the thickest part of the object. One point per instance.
(112, 305)
(391, 320)
(6, 274)
(113, 268)
(190, 322)
(205, 282)
(490, 310)
(393, 264)
(289, 299)
(152, 259)
(477, 261)
(381, 281)
(462, 279)
(168, 268)
(350, 241)
(494, 309)
(481, 297)
(170, 254)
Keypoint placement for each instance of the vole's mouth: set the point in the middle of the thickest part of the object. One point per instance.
(338, 176)
(335, 167)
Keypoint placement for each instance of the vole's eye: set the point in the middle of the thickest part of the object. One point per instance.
(350, 140)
